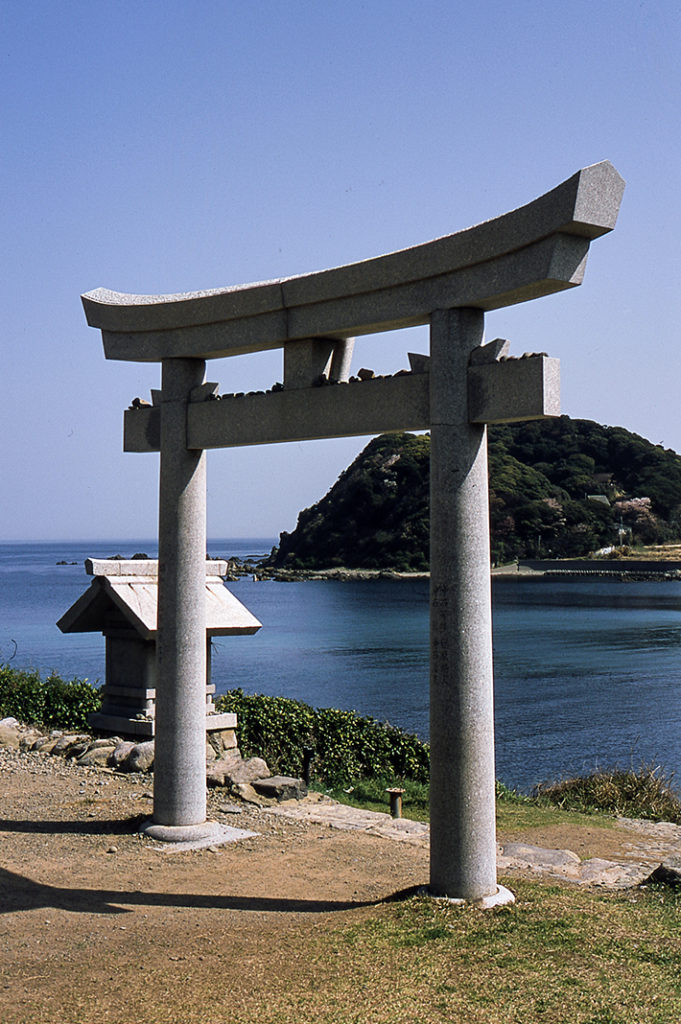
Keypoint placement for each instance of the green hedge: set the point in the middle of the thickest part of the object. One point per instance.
(346, 746)
(50, 702)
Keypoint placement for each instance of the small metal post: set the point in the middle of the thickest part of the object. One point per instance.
(308, 754)
(395, 794)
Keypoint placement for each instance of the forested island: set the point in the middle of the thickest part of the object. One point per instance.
(559, 488)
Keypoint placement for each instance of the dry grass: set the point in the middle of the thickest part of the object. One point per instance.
(646, 793)
(561, 954)
(651, 552)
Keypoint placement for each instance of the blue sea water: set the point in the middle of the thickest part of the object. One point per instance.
(587, 673)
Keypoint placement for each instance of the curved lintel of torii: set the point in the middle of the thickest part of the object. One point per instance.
(536, 250)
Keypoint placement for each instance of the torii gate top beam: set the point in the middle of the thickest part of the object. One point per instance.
(535, 250)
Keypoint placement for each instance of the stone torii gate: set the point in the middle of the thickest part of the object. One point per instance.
(464, 385)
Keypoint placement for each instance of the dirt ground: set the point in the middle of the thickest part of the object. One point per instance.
(96, 924)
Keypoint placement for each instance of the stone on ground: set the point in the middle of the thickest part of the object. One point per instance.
(281, 787)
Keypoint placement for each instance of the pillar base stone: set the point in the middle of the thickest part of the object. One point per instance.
(195, 837)
(501, 898)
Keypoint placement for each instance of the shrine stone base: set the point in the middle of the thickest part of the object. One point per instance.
(144, 728)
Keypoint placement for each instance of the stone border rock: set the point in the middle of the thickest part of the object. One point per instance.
(247, 778)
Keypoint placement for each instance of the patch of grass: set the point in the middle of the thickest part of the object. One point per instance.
(560, 954)
(646, 793)
(515, 811)
(370, 795)
(534, 814)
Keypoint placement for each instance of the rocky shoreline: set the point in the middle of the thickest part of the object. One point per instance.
(262, 574)
(339, 574)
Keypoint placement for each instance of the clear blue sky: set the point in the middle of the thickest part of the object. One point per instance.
(162, 146)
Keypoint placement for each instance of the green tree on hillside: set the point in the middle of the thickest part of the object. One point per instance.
(558, 488)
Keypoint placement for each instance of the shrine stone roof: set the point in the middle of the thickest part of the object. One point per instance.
(125, 593)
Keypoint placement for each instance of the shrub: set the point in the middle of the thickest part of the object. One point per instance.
(346, 746)
(646, 793)
(275, 728)
(505, 794)
(53, 701)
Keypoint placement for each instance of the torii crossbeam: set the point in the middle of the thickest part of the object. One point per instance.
(448, 283)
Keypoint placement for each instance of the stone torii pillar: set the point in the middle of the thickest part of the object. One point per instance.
(180, 746)
(448, 283)
(462, 777)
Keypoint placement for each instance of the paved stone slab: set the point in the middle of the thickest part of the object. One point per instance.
(538, 858)
(609, 874)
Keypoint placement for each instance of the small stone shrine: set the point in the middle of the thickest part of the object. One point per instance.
(122, 603)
